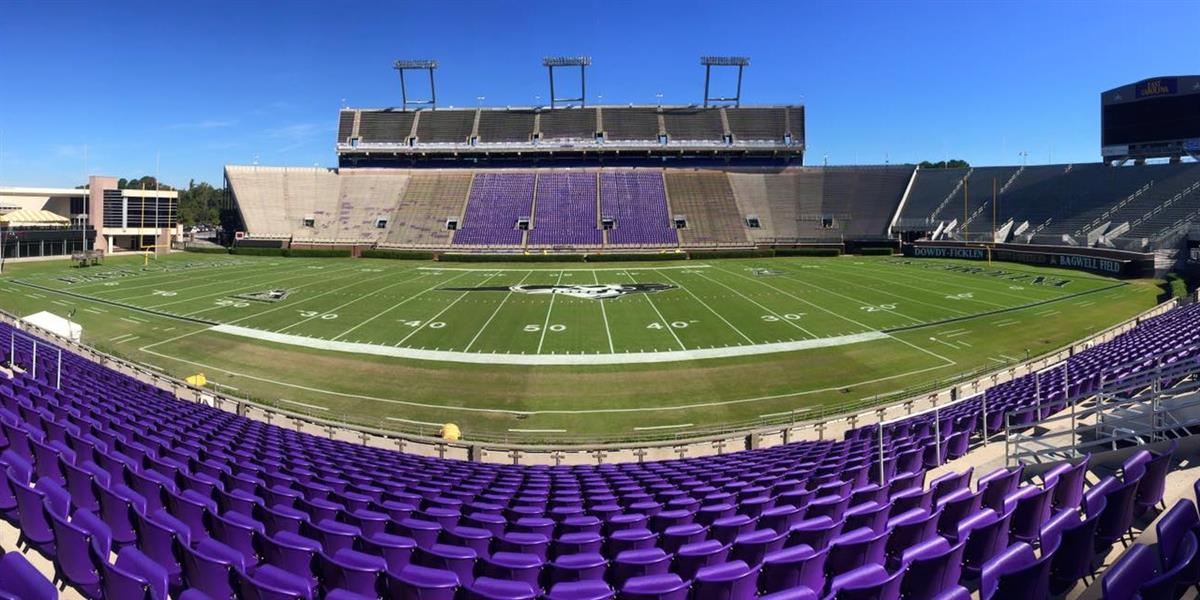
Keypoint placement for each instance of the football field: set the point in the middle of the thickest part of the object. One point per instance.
(538, 348)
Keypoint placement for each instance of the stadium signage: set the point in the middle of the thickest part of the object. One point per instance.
(1157, 87)
(1087, 263)
(948, 252)
(1094, 264)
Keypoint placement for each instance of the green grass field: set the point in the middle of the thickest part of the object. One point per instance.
(410, 345)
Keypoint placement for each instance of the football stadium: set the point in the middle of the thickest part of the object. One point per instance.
(588, 350)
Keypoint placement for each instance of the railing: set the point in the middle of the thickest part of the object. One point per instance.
(1129, 410)
(819, 423)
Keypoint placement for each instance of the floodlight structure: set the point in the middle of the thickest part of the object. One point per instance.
(583, 62)
(416, 65)
(741, 62)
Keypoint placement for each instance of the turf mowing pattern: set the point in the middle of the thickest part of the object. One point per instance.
(934, 319)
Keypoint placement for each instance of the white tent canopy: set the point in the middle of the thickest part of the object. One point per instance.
(56, 324)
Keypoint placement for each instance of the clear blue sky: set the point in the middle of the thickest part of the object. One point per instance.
(204, 84)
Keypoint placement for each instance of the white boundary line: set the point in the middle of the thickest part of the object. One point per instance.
(471, 409)
(545, 359)
(312, 406)
(680, 426)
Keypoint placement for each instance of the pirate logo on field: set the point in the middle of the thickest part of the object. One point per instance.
(600, 291)
(265, 295)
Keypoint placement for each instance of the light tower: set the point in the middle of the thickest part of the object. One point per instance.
(741, 62)
(416, 65)
(583, 62)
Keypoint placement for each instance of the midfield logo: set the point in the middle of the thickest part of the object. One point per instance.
(601, 291)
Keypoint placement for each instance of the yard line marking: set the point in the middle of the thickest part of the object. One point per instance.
(1049, 313)
(440, 312)
(618, 269)
(129, 339)
(235, 291)
(971, 278)
(538, 430)
(138, 320)
(174, 273)
(353, 300)
(604, 313)
(253, 273)
(414, 422)
(92, 310)
(59, 303)
(281, 305)
(680, 426)
(1009, 357)
(124, 335)
(304, 404)
(546, 324)
(394, 307)
(948, 361)
(964, 332)
(494, 313)
(882, 289)
(829, 291)
(1085, 303)
(933, 339)
(131, 321)
(773, 313)
(665, 322)
(492, 360)
(710, 309)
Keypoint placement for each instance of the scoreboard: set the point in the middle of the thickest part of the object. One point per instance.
(1153, 118)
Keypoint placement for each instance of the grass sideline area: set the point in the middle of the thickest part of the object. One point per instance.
(925, 321)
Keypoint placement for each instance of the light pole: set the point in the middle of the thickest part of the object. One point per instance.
(1024, 156)
(479, 100)
(659, 98)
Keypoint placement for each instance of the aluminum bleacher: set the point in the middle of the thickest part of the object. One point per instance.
(430, 199)
(630, 124)
(694, 124)
(705, 200)
(567, 124)
(497, 126)
(444, 126)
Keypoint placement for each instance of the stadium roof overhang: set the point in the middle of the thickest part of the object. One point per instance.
(43, 192)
